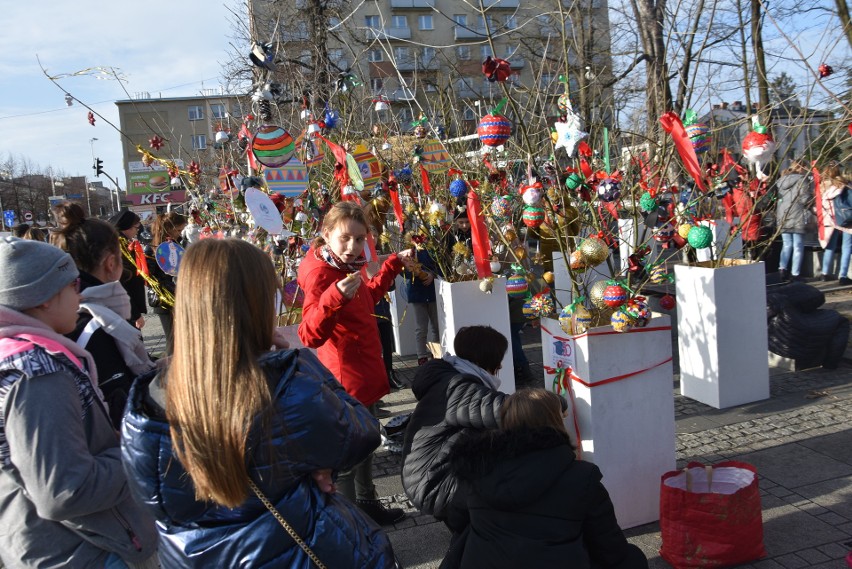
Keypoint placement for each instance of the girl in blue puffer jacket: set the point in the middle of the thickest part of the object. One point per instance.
(232, 425)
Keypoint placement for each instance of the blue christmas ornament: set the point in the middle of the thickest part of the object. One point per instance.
(458, 188)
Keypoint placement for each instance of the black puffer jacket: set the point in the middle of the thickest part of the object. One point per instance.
(532, 504)
(448, 404)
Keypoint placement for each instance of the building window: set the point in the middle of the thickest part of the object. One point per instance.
(427, 54)
(217, 111)
(305, 57)
(463, 52)
(372, 22)
(374, 54)
(196, 112)
(405, 116)
(199, 141)
(335, 55)
(485, 51)
(546, 80)
(333, 22)
(399, 21)
(481, 22)
(460, 19)
(511, 22)
(425, 22)
(469, 115)
(376, 85)
(402, 54)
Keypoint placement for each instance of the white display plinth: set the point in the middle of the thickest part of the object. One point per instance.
(721, 236)
(404, 326)
(722, 335)
(464, 304)
(627, 426)
(630, 238)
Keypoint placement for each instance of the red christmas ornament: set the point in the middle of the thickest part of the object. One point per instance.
(155, 142)
(825, 70)
(91, 118)
(194, 168)
(496, 69)
(850, 129)
(667, 302)
(494, 130)
(614, 296)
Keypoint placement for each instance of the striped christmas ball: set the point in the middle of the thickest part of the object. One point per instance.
(621, 322)
(614, 296)
(564, 103)
(517, 286)
(272, 146)
(657, 275)
(458, 188)
(582, 319)
(494, 130)
(565, 321)
(699, 136)
(700, 237)
(533, 216)
(530, 310)
(501, 207)
(638, 309)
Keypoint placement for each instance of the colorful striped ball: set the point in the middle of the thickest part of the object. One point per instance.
(621, 322)
(533, 216)
(517, 286)
(272, 146)
(565, 321)
(699, 136)
(658, 274)
(494, 130)
(614, 296)
(582, 319)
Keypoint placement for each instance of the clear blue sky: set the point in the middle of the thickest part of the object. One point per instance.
(165, 47)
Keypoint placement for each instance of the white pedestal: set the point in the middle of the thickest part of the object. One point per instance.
(722, 335)
(464, 304)
(721, 236)
(630, 238)
(627, 426)
(404, 327)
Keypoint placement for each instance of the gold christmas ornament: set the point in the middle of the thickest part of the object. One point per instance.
(548, 277)
(596, 292)
(510, 235)
(683, 230)
(577, 262)
(461, 249)
(520, 253)
(594, 251)
(581, 319)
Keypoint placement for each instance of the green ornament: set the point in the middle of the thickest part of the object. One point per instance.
(700, 237)
(647, 203)
(573, 181)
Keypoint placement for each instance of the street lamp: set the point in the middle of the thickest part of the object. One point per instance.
(88, 194)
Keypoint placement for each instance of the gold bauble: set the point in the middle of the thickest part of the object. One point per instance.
(594, 251)
(510, 235)
(520, 253)
(577, 262)
(548, 277)
(683, 229)
(581, 319)
(596, 292)
(537, 258)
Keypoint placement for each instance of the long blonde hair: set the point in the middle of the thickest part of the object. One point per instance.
(215, 389)
(163, 226)
(532, 408)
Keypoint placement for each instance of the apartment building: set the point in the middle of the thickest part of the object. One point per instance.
(188, 127)
(426, 55)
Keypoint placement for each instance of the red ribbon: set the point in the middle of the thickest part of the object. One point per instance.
(479, 235)
(424, 177)
(393, 190)
(244, 133)
(341, 171)
(139, 255)
(673, 125)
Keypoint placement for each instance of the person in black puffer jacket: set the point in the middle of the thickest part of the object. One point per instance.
(531, 503)
(456, 394)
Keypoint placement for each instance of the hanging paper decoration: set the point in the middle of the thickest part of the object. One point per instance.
(169, 255)
(434, 157)
(758, 146)
(156, 142)
(288, 180)
(700, 237)
(309, 151)
(533, 216)
(517, 286)
(569, 132)
(494, 129)
(368, 165)
(264, 211)
(496, 69)
(672, 124)
(698, 133)
(825, 70)
(272, 146)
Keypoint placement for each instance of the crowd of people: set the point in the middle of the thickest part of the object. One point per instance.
(231, 449)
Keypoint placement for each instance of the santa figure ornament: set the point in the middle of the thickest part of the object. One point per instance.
(758, 147)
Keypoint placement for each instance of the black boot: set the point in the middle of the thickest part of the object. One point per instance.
(395, 382)
(380, 513)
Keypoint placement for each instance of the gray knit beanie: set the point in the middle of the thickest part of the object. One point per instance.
(32, 272)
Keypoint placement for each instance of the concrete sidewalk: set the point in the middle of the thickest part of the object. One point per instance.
(800, 441)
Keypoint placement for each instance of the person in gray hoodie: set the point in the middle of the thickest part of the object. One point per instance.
(795, 199)
(64, 497)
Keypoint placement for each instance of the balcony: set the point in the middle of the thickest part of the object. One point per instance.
(414, 4)
(389, 33)
(468, 33)
(401, 94)
(409, 64)
(501, 4)
(517, 62)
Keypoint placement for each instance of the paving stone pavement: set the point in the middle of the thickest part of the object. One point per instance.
(800, 441)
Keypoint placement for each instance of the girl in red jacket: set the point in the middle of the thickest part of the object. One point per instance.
(337, 320)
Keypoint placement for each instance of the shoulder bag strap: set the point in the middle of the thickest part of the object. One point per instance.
(287, 527)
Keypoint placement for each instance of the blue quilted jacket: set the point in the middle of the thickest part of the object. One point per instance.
(317, 425)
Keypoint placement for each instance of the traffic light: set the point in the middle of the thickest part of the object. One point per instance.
(98, 167)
